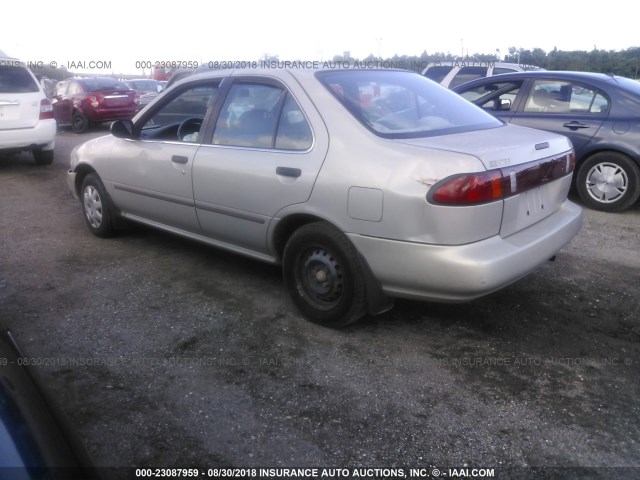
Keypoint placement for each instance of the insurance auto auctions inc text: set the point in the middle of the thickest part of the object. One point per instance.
(368, 473)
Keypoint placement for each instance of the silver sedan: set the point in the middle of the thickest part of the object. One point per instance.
(365, 185)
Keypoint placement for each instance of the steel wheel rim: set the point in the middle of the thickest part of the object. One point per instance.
(93, 206)
(607, 182)
(321, 280)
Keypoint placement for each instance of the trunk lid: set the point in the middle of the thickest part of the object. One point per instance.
(535, 167)
(116, 98)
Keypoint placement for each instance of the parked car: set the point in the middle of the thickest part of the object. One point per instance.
(36, 439)
(26, 115)
(599, 113)
(144, 85)
(146, 88)
(454, 73)
(363, 184)
(80, 102)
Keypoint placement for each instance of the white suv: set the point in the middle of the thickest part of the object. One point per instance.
(26, 115)
(453, 73)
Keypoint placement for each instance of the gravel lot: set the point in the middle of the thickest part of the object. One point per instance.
(166, 353)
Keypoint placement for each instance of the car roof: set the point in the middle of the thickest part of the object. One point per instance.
(560, 75)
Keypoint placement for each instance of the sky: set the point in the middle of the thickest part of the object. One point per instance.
(120, 35)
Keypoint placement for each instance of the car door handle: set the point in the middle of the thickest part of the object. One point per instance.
(288, 172)
(575, 125)
(179, 159)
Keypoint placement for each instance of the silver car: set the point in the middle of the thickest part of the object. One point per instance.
(364, 185)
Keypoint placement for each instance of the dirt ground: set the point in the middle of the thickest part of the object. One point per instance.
(166, 353)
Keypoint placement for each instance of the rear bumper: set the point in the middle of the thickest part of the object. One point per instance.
(465, 272)
(111, 114)
(42, 136)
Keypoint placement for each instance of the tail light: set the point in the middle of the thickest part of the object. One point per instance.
(468, 189)
(501, 183)
(46, 110)
(94, 102)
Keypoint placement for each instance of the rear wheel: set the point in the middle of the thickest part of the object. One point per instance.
(324, 275)
(97, 206)
(43, 157)
(79, 123)
(608, 181)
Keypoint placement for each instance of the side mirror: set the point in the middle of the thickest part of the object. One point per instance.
(505, 104)
(122, 129)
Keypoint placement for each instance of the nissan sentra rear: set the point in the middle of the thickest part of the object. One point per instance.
(364, 185)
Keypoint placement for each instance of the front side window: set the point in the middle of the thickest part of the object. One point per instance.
(262, 116)
(397, 104)
(181, 117)
(555, 96)
(61, 89)
(496, 97)
(74, 88)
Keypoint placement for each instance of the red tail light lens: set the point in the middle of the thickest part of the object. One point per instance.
(469, 189)
(492, 185)
(46, 109)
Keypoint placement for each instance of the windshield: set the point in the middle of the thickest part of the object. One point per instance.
(97, 84)
(398, 104)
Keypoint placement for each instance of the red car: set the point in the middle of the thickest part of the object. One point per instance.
(79, 102)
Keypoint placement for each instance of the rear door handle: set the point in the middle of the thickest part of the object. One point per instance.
(179, 159)
(288, 172)
(575, 125)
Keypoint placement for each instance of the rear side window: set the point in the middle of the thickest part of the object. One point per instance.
(555, 96)
(501, 70)
(466, 74)
(262, 116)
(16, 79)
(437, 72)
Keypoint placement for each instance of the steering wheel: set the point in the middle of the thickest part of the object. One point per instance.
(189, 126)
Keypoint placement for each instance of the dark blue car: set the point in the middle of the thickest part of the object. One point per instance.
(599, 113)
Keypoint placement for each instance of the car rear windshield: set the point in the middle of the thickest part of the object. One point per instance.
(144, 85)
(97, 84)
(400, 104)
(16, 79)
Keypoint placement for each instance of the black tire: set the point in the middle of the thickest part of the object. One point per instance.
(96, 206)
(79, 123)
(43, 157)
(608, 181)
(324, 275)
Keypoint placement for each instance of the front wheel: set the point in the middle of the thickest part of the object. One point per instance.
(324, 275)
(97, 207)
(608, 181)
